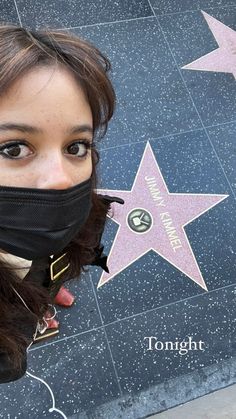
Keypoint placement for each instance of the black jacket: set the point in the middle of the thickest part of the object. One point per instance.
(42, 275)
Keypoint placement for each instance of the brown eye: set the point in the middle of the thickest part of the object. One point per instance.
(13, 150)
(80, 148)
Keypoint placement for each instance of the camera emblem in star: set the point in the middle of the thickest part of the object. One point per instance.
(139, 220)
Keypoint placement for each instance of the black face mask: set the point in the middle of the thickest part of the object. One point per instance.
(36, 223)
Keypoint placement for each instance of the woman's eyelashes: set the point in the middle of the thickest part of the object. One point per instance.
(13, 147)
(86, 145)
(79, 148)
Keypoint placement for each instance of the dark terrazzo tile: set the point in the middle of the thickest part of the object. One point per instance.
(79, 372)
(213, 242)
(118, 165)
(187, 161)
(151, 97)
(163, 7)
(167, 394)
(61, 14)
(190, 38)
(188, 165)
(205, 318)
(8, 12)
(148, 283)
(223, 139)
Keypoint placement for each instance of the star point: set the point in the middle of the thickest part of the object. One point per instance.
(222, 59)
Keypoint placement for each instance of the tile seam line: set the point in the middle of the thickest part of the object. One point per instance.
(137, 18)
(167, 136)
(129, 317)
(153, 139)
(222, 123)
(151, 6)
(108, 343)
(172, 303)
(18, 14)
(195, 107)
(107, 23)
(194, 10)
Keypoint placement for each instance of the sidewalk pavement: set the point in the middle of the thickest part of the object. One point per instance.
(220, 404)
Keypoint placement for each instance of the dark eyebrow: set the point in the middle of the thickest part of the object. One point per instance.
(77, 129)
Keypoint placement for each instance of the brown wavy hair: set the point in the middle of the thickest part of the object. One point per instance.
(20, 51)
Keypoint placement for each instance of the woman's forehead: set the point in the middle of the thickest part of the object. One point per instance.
(46, 97)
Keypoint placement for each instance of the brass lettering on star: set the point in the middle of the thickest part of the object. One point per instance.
(171, 231)
(155, 192)
(165, 216)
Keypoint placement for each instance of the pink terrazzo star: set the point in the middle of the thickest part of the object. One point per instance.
(154, 219)
(222, 59)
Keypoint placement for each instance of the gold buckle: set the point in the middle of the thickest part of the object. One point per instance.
(56, 275)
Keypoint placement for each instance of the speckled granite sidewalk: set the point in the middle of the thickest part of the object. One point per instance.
(160, 330)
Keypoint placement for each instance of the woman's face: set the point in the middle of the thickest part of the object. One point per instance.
(48, 155)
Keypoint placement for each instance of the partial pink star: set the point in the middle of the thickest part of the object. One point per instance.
(152, 218)
(222, 59)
